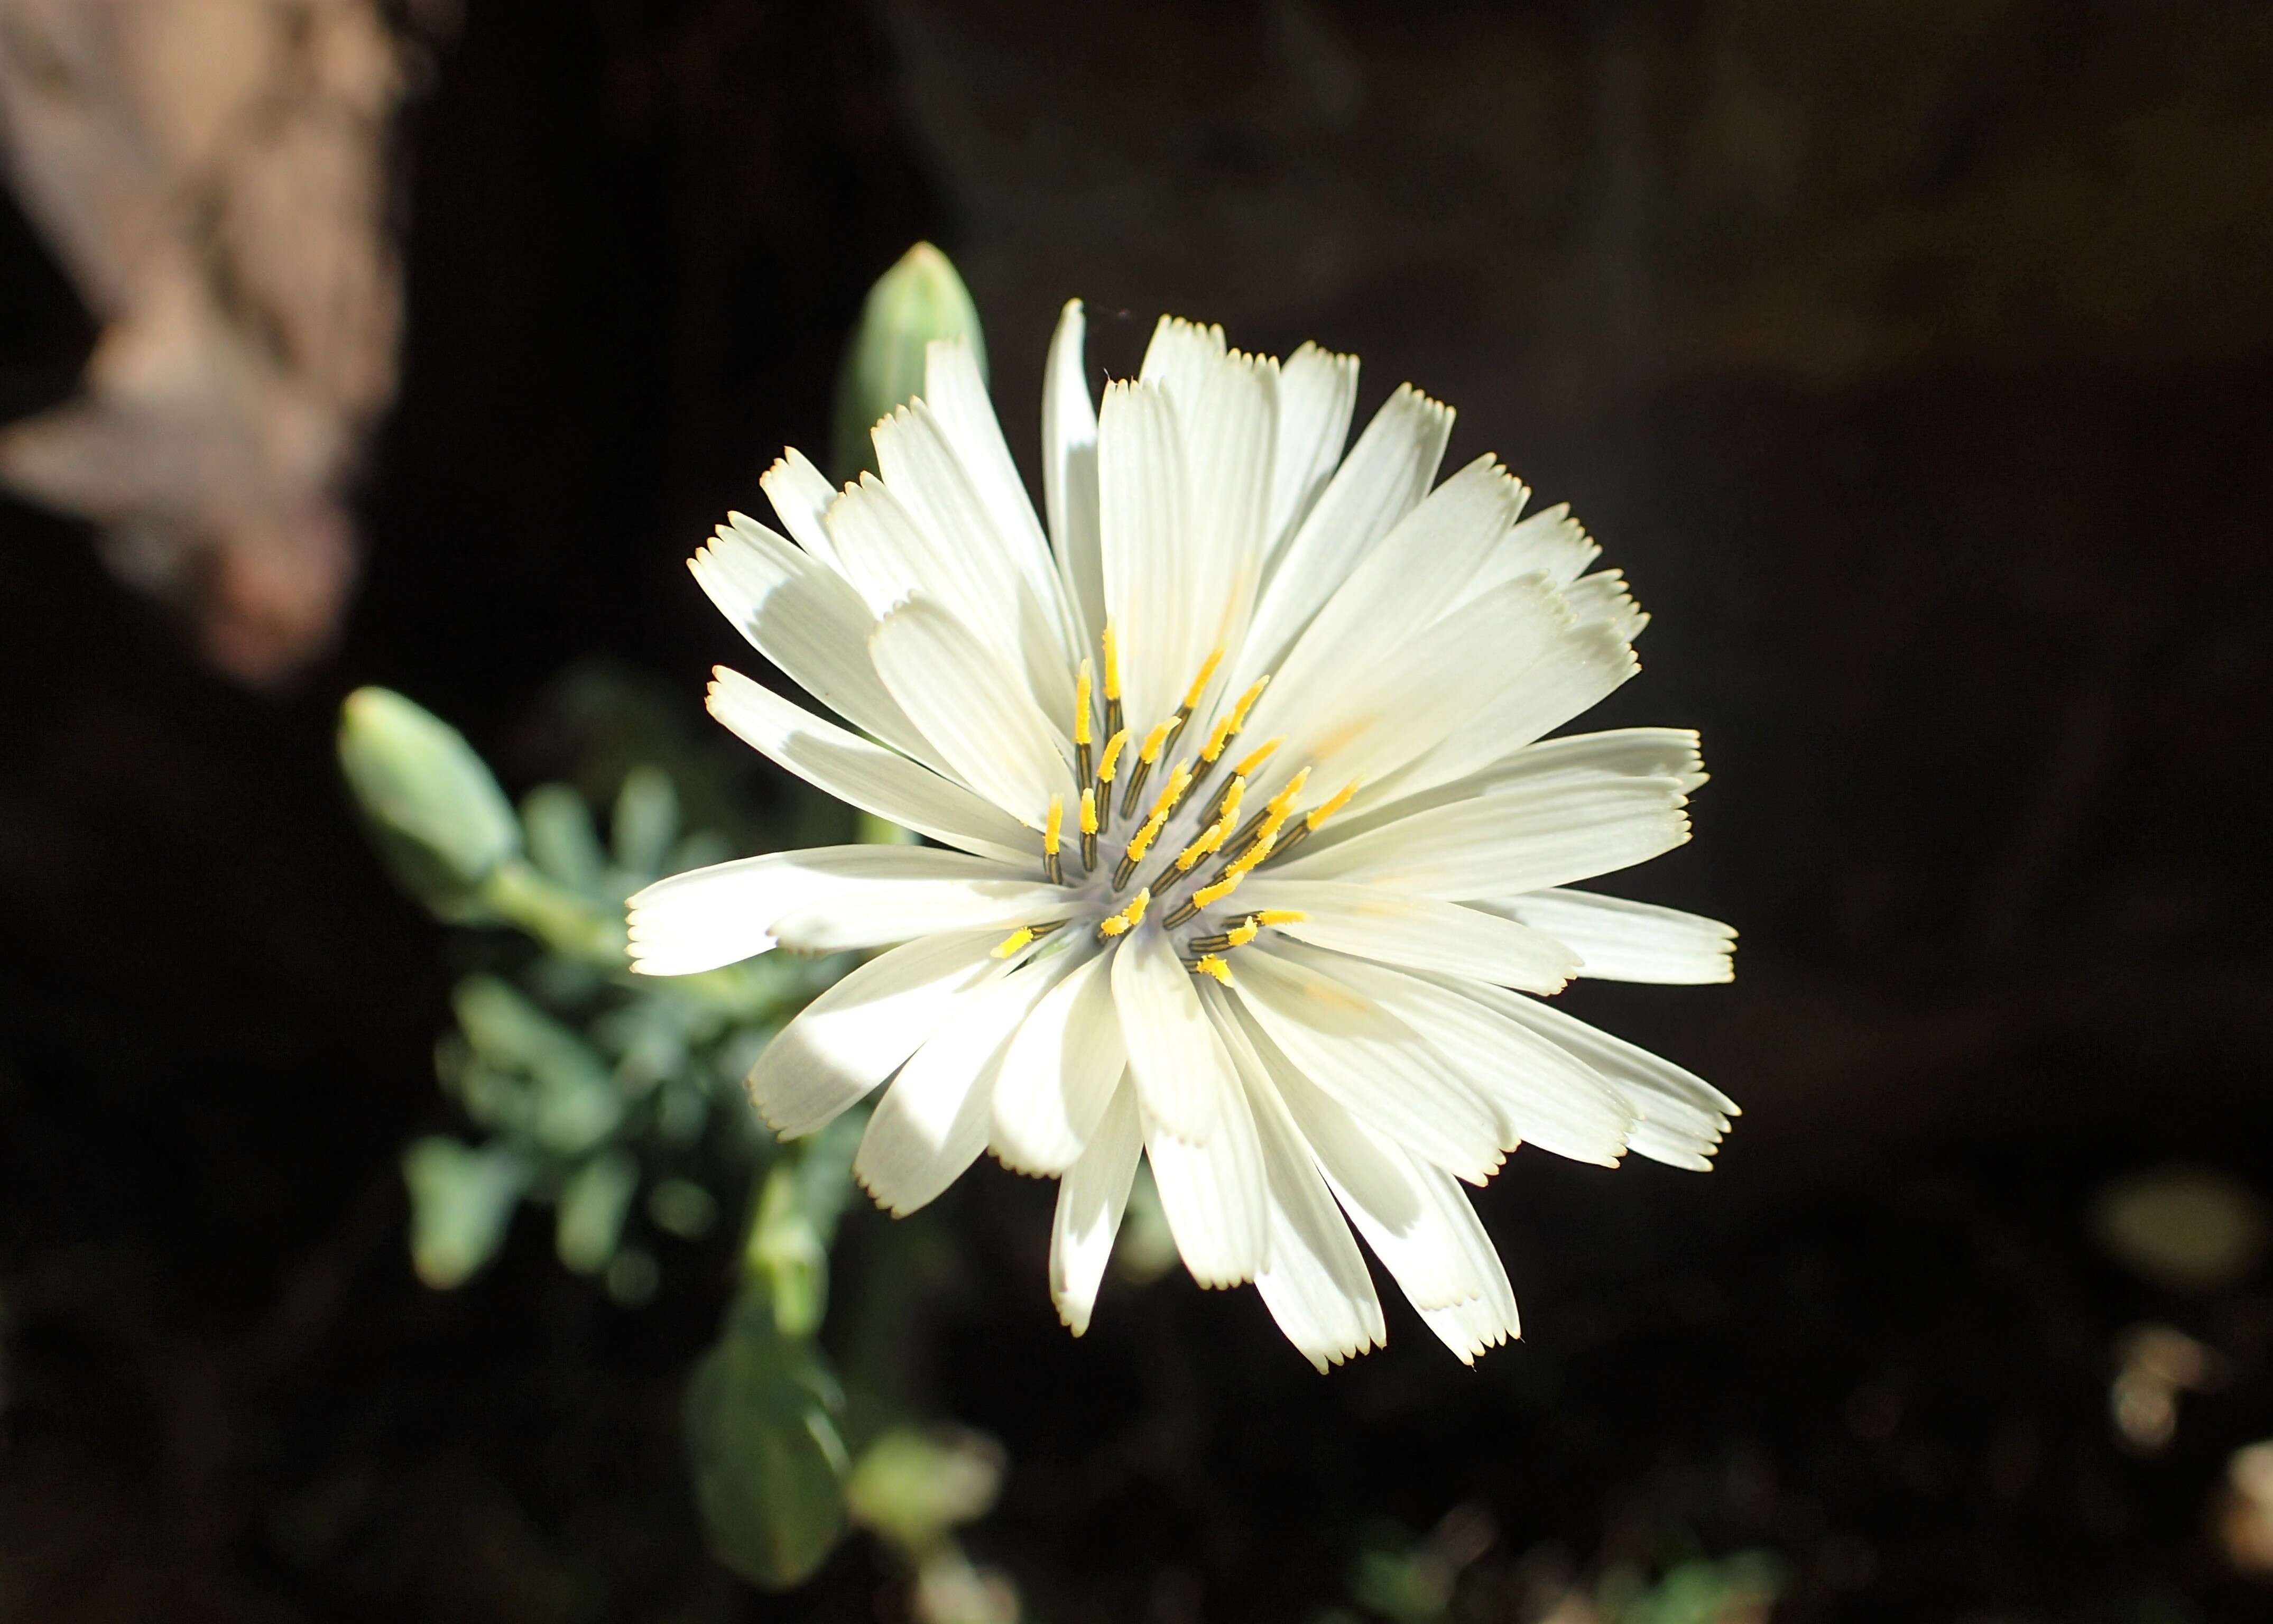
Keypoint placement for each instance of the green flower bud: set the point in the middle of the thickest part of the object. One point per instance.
(920, 299)
(432, 805)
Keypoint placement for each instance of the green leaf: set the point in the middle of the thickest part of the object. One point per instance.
(921, 298)
(804, 1194)
(646, 822)
(433, 807)
(913, 1487)
(577, 1103)
(762, 1437)
(461, 1200)
(561, 839)
(590, 1217)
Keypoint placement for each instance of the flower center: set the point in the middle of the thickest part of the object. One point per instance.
(1171, 839)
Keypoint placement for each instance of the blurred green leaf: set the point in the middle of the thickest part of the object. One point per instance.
(920, 299)
(576, 1102)
(913, 1487)
(803, 1196)
(768, 1464)
(682, 1207)
(433, 807)
(1738, 1589)
(561, 839)
(461, 1200)
(646, 821)
(589, 1220)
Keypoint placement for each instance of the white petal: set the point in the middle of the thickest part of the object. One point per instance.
(1389, 1195)
(1549, 542)
(1313, 1280)
(1060, 1072)
(1385, 475)
(1069, 474)
(1604, 597)
(1174, 1057)
(856, 1033)
(1582, 668)
(931, 1124)
(865, 775)
(972, 710)
(1520, 840)
(1228, 431)
(801, 495)
(802, 617)
(1374, 721)
(982, 582)
(1683, 1117)
(1540, 1092)
(1091, 1200)
(1397, 591)
(1215, 1195)
(1317, 391)
(1417, 932)
(1372, 1063)
(1622, 941)
(1145, 520)
(1180, 357)
(709, 917)
(956, 394)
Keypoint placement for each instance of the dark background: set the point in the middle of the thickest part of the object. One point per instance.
(1914, 360)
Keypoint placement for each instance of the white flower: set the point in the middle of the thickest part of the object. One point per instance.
(1259, 848)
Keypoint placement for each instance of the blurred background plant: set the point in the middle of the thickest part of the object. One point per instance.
(616, 1100)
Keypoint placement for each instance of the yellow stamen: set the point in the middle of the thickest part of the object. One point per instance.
(1232, 797)
(1200, 683)
(1150, 751)
(1248, 860)
(1218, 737)
(1247, 703)
(1242, 934)
(1143, 840)
(1209, 838)
(1280, 916)
(1081, 733)
(1340, 800)
(1285, 798)
(1055, 826)
(1111, 665)
(1089, 812)
(1255, 758)
(1125, 920)
(1110, 764)
(1171, 792)
(1208, 896)
(1213, 966)
(1012, 943)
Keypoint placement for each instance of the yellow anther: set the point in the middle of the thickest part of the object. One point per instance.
(1247, 703)
(1212, 966)
(1142, 842)
(1171, 792)
(1242, 934)
(1111, 762)
(1254, 854)
(1111, 665)
(1285, 798)
(1153, 741)
(1340, 800)
(1218, 737)
(1125, 920)
(1255, 758)
(1211, 837)
(1232, 797)
(1200, 683)
(1280, 916)
(1055, 826)
(1089, 811)
(1012, 943)
(1208, 896)
(1081, 733)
